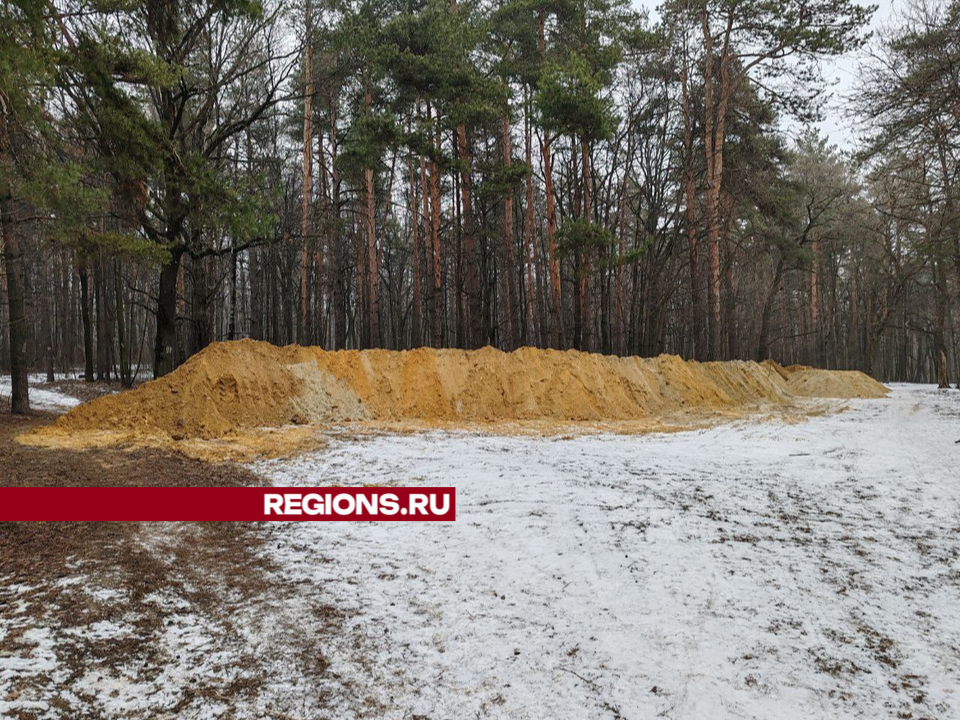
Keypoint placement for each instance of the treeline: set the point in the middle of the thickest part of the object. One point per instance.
(559, 173)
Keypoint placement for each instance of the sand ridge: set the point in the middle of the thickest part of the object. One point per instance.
(237, 394)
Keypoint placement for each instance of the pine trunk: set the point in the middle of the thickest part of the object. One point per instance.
(474, 306)
(85, 316)
(438, 304)
(530, 233)
(510, 260)
(416, 313)
(166, 340)
(16, 302)
(122, 343)
(307, 178)
(556, 306)
(47, 318)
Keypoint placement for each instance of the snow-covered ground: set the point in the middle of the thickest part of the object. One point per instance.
(40, 399)
(802, 571)
(754, 570)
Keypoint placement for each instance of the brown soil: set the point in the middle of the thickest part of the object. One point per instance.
(39, 549)
(38, 554)
(198, 569)
(24, 465)
(229, 400)
(215, 571)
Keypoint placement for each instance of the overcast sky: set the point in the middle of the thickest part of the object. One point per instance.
(840, 73)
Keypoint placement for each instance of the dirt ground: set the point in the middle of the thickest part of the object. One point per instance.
(760, 568)
(197, 564)
(22, 465)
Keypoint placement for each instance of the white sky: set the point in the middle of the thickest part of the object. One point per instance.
(841, 76)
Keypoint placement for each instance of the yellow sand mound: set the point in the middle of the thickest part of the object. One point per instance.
(232, 392)
(810, 382)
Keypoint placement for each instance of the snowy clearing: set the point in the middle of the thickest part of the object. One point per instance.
(755, 570)
(40, 399)
(747, 571)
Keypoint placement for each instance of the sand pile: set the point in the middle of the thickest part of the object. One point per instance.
(234, 392)
(845, 384)
(805, 381)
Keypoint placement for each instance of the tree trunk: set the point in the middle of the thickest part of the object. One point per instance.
(714, 121)
(307, 175)
(939, 324)
(321, 256)
(427, 238)
(13, 268)
(47, 318)
(103, 337)
(232, 321)
(471, 285)
(763, 348)
(122, 344)
(373, 266)
(729, 308)
(620, 343)
(474, 320)
(696, 295)
(339, 283)
(816, 334)
(359, 250)
(586, 269)
(85, 315)
(951, 220)
(529, 230)
(713, 234)
(556, 307)
(510, 269)
(417, 330)
(166, 340)
(437, 318)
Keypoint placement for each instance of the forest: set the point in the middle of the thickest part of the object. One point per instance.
(569, 174)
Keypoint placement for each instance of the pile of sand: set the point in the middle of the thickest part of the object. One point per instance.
(844, 384)
(236, 392)
(805, 381)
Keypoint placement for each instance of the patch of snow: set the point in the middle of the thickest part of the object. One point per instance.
(69, 581)
(750, 570)
(167, 602)
(191, 653)
(100, 630)
(40, 399)
(177, 666)
(35, 656)
(106, 595)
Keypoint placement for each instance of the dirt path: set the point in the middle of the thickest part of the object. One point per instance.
(134, 619)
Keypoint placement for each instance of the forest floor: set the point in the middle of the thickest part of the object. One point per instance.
(749, 570)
